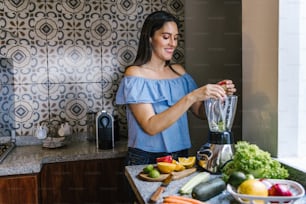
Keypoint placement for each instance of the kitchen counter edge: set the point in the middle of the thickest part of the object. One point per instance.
(29, 159)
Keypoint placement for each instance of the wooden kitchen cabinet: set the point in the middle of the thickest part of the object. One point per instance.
(19, 189)
(89, 181)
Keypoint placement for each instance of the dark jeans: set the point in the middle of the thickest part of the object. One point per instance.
(138, 157)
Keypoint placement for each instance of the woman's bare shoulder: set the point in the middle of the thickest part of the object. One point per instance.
(178, 68)
(132, 71)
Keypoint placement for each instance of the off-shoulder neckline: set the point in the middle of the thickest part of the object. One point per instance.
(152, 79)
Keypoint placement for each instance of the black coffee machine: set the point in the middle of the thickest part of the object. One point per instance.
(105, 130)
(219, 149)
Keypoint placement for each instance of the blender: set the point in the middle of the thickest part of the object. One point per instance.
(219, 149)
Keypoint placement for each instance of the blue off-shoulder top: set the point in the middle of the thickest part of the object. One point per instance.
(162, 94)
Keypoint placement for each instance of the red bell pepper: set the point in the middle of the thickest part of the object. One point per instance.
(167, 158)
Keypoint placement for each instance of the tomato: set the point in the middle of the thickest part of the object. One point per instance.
(167, 158)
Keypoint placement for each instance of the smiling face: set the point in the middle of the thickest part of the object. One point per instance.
(164, 41)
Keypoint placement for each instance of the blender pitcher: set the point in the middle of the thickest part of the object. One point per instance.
(219, 149)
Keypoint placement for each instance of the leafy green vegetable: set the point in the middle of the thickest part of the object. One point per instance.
(250, 159)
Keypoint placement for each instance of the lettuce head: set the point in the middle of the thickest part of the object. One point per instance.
(250, 159)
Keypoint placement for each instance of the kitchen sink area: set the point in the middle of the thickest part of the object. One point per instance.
(6, 149)
(7, 144)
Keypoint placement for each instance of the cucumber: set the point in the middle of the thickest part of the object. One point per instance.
(187, 187)
(206, 190)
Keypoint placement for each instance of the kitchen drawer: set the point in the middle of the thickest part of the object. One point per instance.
(90, 181)
(19, 189)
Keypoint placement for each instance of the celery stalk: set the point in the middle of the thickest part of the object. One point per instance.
(187, 187)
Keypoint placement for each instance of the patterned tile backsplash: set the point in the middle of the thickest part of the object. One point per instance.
(60, 59)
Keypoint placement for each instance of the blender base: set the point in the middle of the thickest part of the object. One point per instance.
(213, 155)
(220, 137)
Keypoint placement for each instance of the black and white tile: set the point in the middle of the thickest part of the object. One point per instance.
(60, 59)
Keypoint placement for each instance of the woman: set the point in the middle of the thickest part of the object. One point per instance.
(158, 95)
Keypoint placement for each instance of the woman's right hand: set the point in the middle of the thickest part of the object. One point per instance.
(203, 93)
(209, 91)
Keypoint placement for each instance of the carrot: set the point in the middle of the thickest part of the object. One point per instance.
(168, 203)
(175, 200)
(183, 199)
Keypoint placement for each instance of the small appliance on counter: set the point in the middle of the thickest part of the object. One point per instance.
(91, 126)
(219, 149)
(105, 130)
(54, 135)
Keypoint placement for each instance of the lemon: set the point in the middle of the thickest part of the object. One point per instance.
(253, 187)
(179, 166)
(188, 162)
(165, 167)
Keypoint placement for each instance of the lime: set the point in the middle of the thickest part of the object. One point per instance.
(236, 178)
(154, 173)
(249, 176)
(148, 169)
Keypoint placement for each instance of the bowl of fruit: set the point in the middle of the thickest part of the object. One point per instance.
(266, 191)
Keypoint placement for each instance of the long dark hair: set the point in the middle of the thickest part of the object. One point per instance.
(153, 22)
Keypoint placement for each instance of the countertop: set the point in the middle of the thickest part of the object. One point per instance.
(28, 159)
(29, 156)
(144, 189)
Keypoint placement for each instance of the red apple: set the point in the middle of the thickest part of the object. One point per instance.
(279, 190)
(164, 159)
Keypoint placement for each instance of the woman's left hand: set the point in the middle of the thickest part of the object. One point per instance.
(228, 86)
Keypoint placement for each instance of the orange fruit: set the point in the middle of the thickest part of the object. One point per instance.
(188, 162)
(166, 167)
(179, 166)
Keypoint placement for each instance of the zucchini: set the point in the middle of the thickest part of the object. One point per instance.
(187, 187)
(206, 190)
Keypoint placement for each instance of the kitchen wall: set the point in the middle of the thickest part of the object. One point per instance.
(213, 51)
(61, 59)
(260, 73)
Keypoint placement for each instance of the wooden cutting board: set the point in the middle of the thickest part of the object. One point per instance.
(176, 175)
